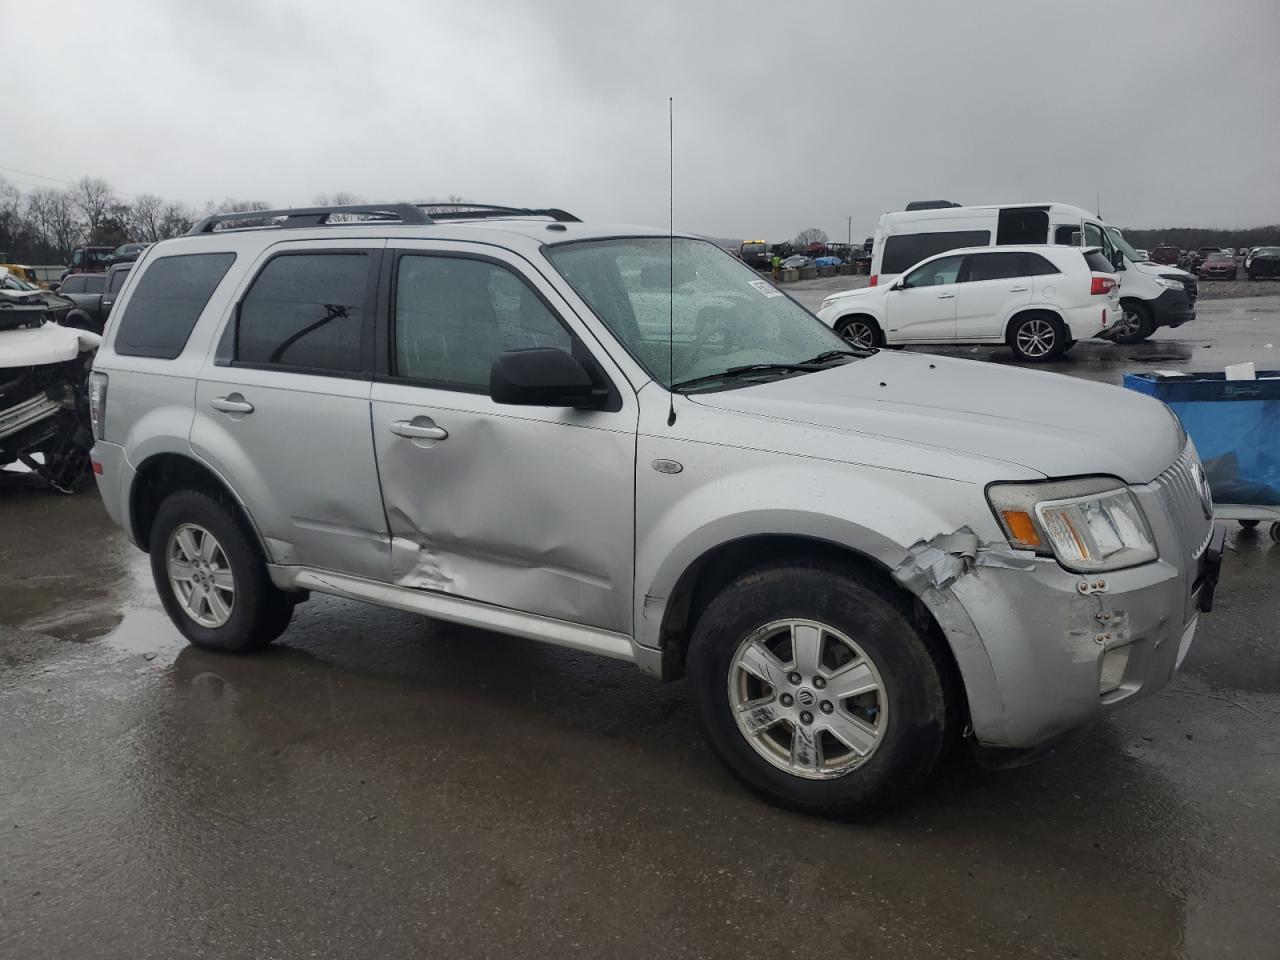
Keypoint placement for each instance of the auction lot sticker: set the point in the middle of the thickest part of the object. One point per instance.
(765, 287)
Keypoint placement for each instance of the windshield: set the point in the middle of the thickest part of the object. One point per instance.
(722, 315)
(9, 282)
(1220, 257)
(1121, 244)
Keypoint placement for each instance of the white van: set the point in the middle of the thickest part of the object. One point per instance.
(1151, 295)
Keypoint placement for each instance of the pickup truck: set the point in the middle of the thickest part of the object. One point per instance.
(93, 295)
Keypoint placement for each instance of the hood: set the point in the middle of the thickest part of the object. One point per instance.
(1046, 423)
(36, 346)
(1160, 270)
(867, 292)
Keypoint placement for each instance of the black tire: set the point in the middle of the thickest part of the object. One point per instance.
(1275, 532)
(260, 611)
(918, 724)
(1145, 326)
(1027, 323)
(846, 325)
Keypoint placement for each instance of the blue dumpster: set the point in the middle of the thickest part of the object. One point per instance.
(1236, 428)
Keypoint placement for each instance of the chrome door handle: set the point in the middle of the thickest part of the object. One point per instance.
(1017, 289)
(419, 431)
(232, 403)
(946, 296)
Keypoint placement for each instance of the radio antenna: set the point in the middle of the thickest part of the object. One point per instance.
(671, 260)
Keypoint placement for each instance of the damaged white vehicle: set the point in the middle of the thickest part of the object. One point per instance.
(44, 412)
(857, 556)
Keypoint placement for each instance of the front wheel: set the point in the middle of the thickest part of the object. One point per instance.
(211, 577)
(1135, 323)
(860, 332)
(1036, 338)
(816, 692)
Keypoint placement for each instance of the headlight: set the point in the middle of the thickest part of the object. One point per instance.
(1170, 284)
(1089, 525)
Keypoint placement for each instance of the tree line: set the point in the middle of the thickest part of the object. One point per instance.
(1192, 238)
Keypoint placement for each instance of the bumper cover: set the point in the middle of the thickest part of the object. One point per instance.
(1171, 309)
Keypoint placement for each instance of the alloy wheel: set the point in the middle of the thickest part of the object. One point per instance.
(807, 698)
(200, 575)
(858, 333)
(1036, 338)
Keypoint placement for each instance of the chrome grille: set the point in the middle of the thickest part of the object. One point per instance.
(1179, 489)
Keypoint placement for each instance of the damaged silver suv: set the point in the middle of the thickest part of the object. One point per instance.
(628, 443)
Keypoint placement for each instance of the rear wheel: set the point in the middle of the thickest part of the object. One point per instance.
(1036, 337)
(211, 577)
(816, 692)
(860, 332)
(1135, 323)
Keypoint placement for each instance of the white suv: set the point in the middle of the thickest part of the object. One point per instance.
(859, 554)
(1037, 299)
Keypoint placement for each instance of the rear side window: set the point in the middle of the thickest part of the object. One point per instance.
(1034, 265)
(995, 266)
(306, 311)
(167, 302)
(116, 281)
(1098, 262)
(1067, 235)
(904, 250)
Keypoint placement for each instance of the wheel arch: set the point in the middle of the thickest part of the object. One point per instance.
(1037, 311)
(163, 473)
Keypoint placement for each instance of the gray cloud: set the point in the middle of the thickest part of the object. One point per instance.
(787, 116)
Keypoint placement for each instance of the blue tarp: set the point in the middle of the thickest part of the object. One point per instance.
(1235, 425)
(827, 261)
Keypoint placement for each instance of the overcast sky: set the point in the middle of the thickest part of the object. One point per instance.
(787, 115)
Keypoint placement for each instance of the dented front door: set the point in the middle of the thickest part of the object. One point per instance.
(530, 508)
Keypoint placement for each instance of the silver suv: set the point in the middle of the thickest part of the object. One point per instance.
(629, 443)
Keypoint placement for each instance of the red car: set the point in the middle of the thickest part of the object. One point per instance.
(1165, 255)
(1218, 266)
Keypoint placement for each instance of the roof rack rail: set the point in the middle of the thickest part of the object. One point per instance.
(478, 211)
(415, 213)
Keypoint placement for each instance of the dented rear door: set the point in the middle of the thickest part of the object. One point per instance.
(530, 508)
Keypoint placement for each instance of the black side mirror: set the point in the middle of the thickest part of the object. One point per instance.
(542, 377)
(1117, 259)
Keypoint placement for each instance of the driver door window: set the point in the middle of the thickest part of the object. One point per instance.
(935, 273)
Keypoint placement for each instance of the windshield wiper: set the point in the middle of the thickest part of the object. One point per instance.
(832, 355)
(748, 369)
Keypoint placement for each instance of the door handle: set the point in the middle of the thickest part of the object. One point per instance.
(1017, 289)
(946, 296)
(232, 403)
(425, 429)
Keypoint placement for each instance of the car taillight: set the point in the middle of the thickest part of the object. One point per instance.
(1102, 286)
(875, 278)
(97, 403)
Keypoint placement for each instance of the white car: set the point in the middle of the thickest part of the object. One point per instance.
(1039, 299)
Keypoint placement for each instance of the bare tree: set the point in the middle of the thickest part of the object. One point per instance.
(146, 218)
(53, 213)
(812, 235)
(175, 220)
(339, 198)
(94, 198)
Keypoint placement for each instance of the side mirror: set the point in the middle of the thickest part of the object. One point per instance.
(542, 377)
(899, 284)
(1117, 259)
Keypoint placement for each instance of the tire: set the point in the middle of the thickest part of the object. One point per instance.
(1137, 317)
(860, 330)
(1275, 532)
(246, 618)
(1036, 337)
(909, 715)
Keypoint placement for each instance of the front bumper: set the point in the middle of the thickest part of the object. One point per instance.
(1046, 631)
(1171, 309)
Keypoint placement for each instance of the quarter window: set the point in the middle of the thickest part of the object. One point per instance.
(935, 273)
(306, 311)
(166, 303)
(455, 316)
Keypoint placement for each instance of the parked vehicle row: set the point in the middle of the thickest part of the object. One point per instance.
(856, 555)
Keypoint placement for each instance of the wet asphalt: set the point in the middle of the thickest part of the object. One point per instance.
(380, 785)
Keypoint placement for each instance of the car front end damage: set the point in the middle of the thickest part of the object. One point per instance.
(44, 422)
(1042, 649)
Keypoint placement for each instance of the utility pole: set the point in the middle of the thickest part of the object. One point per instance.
(849, 222)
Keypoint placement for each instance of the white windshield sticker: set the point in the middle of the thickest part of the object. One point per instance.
(765, 287)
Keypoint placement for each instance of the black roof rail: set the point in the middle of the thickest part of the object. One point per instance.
(414, 213)
(478, 211)
(314, 216)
